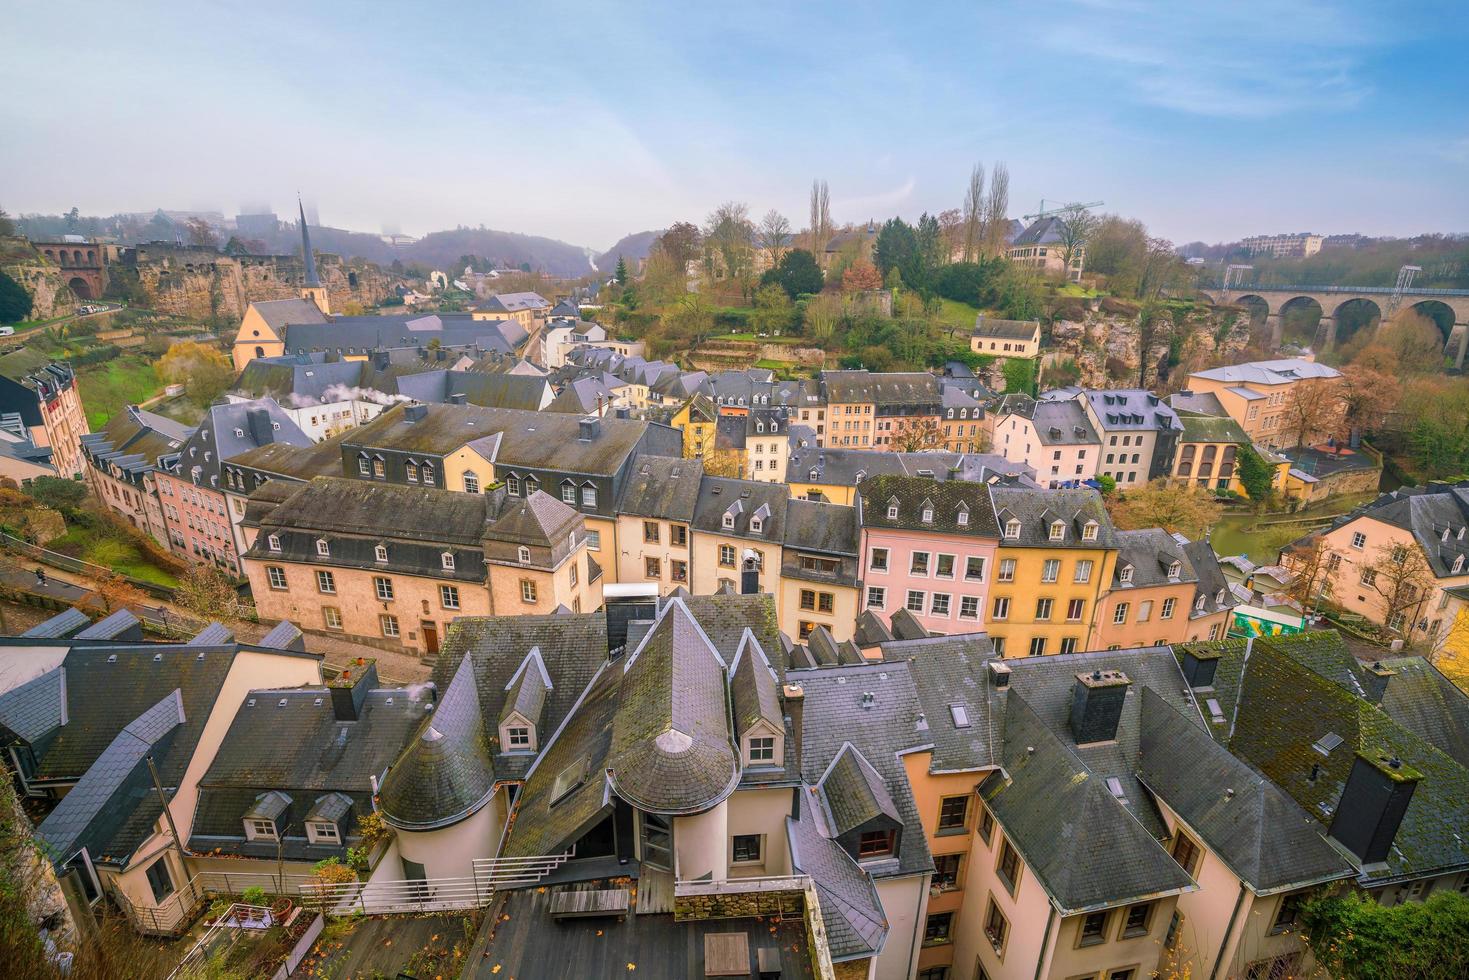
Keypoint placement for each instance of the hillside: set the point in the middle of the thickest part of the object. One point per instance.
(631, 247)
(442, 249)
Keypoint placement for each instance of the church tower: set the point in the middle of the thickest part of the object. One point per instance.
(312, 289)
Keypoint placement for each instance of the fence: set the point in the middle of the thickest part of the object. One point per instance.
(174, 915)
(67, 563)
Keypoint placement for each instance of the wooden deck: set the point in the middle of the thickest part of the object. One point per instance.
(520, 939)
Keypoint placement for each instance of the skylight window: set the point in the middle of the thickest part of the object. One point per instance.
(1327, 742)
(569, 779)
(1216, 714)
(960, 715)
(1114, 786)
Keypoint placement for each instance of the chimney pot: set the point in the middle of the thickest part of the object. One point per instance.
(349, 689)
(1096, 705)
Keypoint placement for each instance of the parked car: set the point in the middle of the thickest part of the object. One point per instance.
(7, 331)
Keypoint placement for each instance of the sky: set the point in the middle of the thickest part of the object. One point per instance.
(588, 121)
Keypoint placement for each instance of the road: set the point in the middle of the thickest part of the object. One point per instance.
(23, 577)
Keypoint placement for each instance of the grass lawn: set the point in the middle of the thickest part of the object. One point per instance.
(118, 554)
(960, 314)
(752, 339)
(1076, 289)
(106, 388)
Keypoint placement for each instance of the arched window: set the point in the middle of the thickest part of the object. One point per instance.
(260, 352)
(524, 555)
(471, 481)
(274, 542)
(447, 561)
(322, 548)
(380, 553)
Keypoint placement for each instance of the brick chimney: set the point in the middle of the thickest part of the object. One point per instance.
(1373, 804)
(1096, 705)
(1199, 665)
(349, 688)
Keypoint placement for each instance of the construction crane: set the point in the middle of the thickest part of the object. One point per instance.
(1045, 212)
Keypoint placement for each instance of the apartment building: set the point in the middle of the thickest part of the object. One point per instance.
(963, 420)
(523, 308)
(395, 565)
(654, 518)
(1041, 247)
(122, 462)
(1157, 594)
(1258, 395)
(44, 394)
(928, 547)
(820, 570)
(1139, 433)
(1401, 561)
(757, 441)
(203, 524)
(818, 473)
(738, 532)
(1296, 245)
(1055, 562)
(868, 410)
(1055, 438)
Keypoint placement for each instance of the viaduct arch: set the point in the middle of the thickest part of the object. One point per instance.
(1332, 299)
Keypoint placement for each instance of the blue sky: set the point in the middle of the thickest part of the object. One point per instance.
(586, 121)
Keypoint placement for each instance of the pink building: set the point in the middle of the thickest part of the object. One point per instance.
(928, 546)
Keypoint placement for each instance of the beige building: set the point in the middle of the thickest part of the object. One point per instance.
(1298, 245)
(1006, 338)
(395, 565)
(1260, 396)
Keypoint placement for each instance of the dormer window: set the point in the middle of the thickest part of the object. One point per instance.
(962, 518)
(1199, 603)
(1089, 531)
(512, 485)
(447, 560)
(1058, 531)
(1173, 569)
(523, 555)
(928, 515)
(273, 542)
(260, 829)
(756, 525)
(1219, 597)
(893, 510)
(760, 749)
(728, 521)
(380, 553)
(322, 832)
(322, 548)
(428, 475)
(1012, 530)
(1124, 574)
(1458, 564)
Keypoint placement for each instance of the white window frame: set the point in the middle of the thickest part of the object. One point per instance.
(446, 560)
(322, 832)
(273, 542)
(323, 548)
(258, 829)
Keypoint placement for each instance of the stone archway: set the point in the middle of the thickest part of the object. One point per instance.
(1356, 316)
(81, 288)
(1300, 319)
(1441, 313)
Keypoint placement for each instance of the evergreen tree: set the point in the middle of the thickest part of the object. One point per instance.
(15, 302)
(621, 274)
(798, 274)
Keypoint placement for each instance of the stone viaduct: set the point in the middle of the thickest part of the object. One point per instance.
(1449, 308)
(83, 265)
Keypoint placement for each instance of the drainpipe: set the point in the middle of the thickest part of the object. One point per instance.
(1040, 961)
(1239, 901)
(167, 814)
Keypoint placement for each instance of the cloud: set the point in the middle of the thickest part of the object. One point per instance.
(874, 203)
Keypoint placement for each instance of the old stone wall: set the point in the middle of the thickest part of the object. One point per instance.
(739, 905)
(50, 295)
(201, 283)
(1205, 338)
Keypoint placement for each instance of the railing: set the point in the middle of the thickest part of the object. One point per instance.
(67, 563)
(742, 886)
(230, 921)
(432, 894)
(174, 914)
(1247, 288)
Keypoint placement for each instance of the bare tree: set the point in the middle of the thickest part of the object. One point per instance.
(1074, 225)
(774, 235)
(1313, 566)
(1401, 576)
(915, 434)
(729, 234)
(1313, 409)
(997, 210)
(1367, 397)
(974, 213)
(820, 218)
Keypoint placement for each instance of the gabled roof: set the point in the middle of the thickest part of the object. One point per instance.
(753, 689)
(1247, 821)
(991, 328)
(856, 925)
(1075, 507)
(1275, 372)
(951, 502)
(854, 792)
(662, 487)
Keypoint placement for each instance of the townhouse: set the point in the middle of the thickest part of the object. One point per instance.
(203, 525)
(654, 517)
(395, 564)
(738, 531)
(122, 463)
(963, 419)
(1259, 396)
(756, 441)
(1401, 561)
(1139, 433)
(820, 570)
(928, 547)
(43, 393)
(1055, 561)
(1056, 438)
(696, 419)
(1006, 338)
(1165, 589)
(523, 308)
(829, 474)
(880, 410)
(582, 462)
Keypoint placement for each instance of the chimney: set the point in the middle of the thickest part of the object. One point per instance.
(1376, 681)
(1096, 705)
(1372, 805)
(999, 674)
(257, 423)
(1199, 665)
(380, 360)
(458, 398)
(591, 428)
(415, 413)
(795, 698)
(622, 412)
(349, 688)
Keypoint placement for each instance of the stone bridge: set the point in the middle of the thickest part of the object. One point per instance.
(1448, 308)
(83, 266)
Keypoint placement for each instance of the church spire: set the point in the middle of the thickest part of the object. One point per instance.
(312, 279)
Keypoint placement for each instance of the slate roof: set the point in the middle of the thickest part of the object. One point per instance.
(1245, 820)
(1211, 580)
(871, 630)
(113, 626)
(1149, 552)
(1033, 508)
(950, 672)
(1130, 410)
(1282, 371)
(511, 302)
(289, 741)
(1196, 403)
(848, 467)
(1042, 231)
(833, 716)
(828, 528)
(1428, 704)
(30, 710)
(86, 814)
(994, 329)
(1428, 513)
(662, 487)
(1277, 708)
(1073, 834)
(447, 772)
(745, 498)
(856, 925)
(672, 750)
(948, 498)
(854, 792)
(1207, 428)
(68, 622)
(412, 331)
(294, 462)
(883, 388)
(257, 423)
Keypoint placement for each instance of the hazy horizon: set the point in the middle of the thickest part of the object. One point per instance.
(1206, 124)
